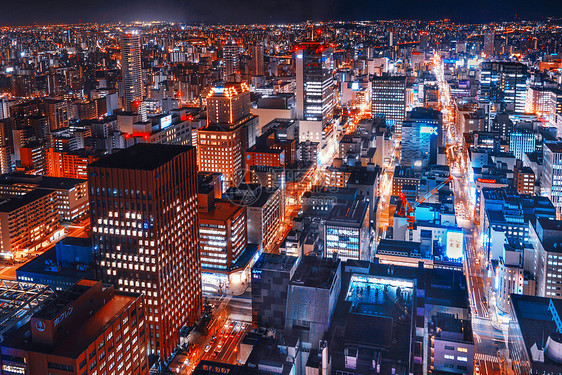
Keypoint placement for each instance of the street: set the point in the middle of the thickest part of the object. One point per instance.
(489, 335)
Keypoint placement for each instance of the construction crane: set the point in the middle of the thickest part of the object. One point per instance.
(408, 210)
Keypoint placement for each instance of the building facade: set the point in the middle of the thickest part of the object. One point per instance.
(144, 221)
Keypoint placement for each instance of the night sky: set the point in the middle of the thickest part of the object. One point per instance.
(18, 12)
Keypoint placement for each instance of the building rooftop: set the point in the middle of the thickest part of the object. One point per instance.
(46, 182)
(537, 325)
(348, 213)
(275, 262)
(554, 146)
(19, 301)
(72, 345)
(222, 211)
(316, 272)
(23, 200)
(142, 156)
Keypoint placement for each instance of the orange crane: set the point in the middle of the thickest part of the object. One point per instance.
(409, 210)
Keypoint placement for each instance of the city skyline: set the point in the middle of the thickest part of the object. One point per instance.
(276, 11)
(306, 198)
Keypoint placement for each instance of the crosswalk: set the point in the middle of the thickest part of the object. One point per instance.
(486, 357)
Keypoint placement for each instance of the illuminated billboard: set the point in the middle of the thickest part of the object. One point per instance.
(455, 244)
(165, 121)
(432, 130)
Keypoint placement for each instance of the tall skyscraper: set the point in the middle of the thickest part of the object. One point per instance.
(231, 56)
(551, 181)
(489, 39)
(143, 203)
(257, 62)
(230, 130)
(315, 96)
(504, 82)
(131, 68)
(315, 82)
(389, 98)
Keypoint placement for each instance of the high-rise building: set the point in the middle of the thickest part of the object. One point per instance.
(489, 39)
(230, 130)
(270, 282)
(315, 82)
(57, 114)
(551, 181)
(389, 98)
(231, 56)
(144, 220)
(346, 231)
(87, 329)
(257, 62)
(222, 232)
(504, 82)
(315, 97)
(421, 133)
(424, 41)
(545, 235)
(131, 68)
(521, 142)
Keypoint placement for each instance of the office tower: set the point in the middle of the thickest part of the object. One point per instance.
(222, 231)
(231, 56)
(541, 101)
(489, 39)
(257, 60)
(315, 97)
(87, 329)
(521, 142)
(4, 108)
(424, 41)
(315, 81)
(131, 69)
(421, 133)
(346, 231)
(389, 98)
(504, 82)
(230, 130)
(551, 181)
(57, 114)
(545, 236)
(270, 281)
(143, 204)
(263, 212)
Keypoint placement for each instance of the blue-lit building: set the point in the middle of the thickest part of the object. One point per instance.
(504, 82)
(346, 231)
(421, 138)
(505, 214)
(551, 180)
(61, 266)
(521, 142)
